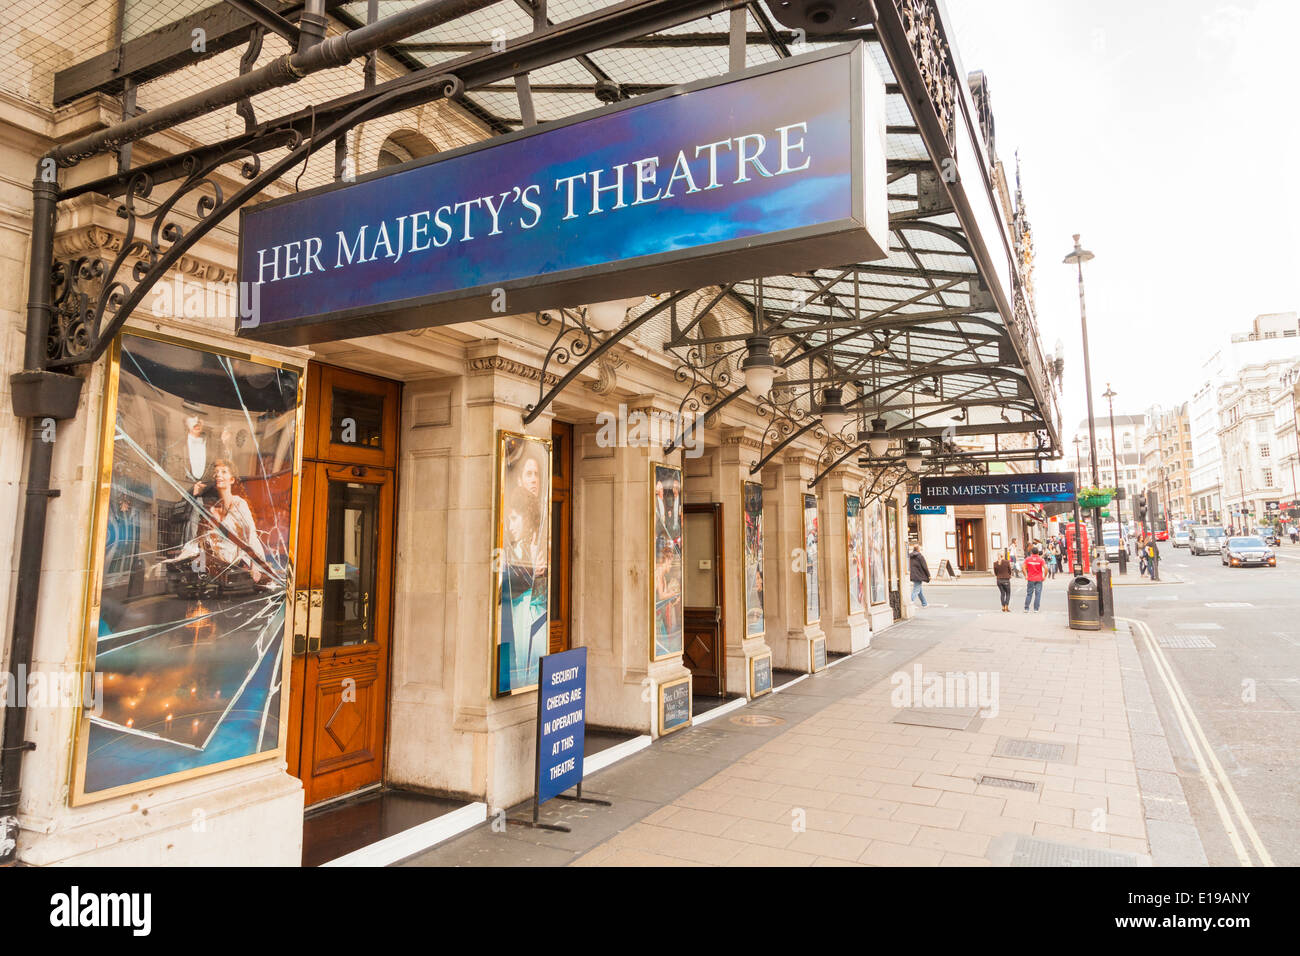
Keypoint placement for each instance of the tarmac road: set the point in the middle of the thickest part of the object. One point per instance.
(1237, 702)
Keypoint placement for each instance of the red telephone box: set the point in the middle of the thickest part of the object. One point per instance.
(1073, 532)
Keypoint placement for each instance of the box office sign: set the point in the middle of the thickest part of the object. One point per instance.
(998, 489)
(776, 169)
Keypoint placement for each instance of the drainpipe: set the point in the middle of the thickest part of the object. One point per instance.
(43, 398)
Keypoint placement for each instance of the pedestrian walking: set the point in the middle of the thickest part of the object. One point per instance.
(1153, 558)
(919, 572)
(1034, 567)
(1002, 572)
(1051, 563)
(1142, 557)
(1014, 559)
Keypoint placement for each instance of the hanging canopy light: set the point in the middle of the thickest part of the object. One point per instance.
(834, 415)
(608, 316)
(912, 454)
(758, 366)
(878, 438)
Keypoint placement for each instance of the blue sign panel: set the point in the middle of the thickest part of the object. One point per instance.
(561, 722)
(998, 489)
(776, 169)
(915, 507)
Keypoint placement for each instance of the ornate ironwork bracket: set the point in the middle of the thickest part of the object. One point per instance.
(92, 299)
(575, 339)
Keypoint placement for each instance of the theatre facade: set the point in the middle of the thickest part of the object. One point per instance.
(353, 367)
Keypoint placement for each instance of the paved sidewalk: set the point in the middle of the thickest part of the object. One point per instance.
(870, 790)
(834, 771)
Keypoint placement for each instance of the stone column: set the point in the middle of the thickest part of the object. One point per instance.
(845, 632)
(739, 449)
(613, 572)
(787, 563)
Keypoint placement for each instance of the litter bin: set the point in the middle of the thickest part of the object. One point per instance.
(1084, 606)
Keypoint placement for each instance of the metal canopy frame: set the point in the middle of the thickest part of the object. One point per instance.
(840, 325)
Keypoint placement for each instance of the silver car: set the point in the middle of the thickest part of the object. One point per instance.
(1204, 539)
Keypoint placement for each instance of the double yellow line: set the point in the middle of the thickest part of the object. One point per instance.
(1212, 773)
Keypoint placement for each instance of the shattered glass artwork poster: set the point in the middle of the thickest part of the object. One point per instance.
(195, 519)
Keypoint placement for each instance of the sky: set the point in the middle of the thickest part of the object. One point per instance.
(1165, 133)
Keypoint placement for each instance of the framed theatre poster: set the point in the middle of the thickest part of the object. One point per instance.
(674, 705)
(751, 494)
(521, 553)
(666, 561)
(812, 610)
(876, 552)
(192, 567)
(855, 552)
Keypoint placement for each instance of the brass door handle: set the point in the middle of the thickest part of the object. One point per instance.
(300, 603)
(315, 611)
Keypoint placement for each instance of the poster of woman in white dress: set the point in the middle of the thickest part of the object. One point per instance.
(522, 559)
(876, 550)
(854, 548)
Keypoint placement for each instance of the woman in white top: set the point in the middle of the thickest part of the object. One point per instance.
(236, 519)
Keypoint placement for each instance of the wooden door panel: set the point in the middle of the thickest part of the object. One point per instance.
(703, 627)
(701, 652)
(338, 702)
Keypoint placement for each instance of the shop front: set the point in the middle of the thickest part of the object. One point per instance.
(316, 548)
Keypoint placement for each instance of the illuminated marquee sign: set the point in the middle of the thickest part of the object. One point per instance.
(777, 169)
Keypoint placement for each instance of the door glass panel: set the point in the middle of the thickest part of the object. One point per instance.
(557, 559)
(698, 547)
(356, 418)
(351, 569)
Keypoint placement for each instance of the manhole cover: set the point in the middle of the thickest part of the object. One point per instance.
(757, 720)
(1026, 749)
(1031, 851)
(947, 718)
(1029, 786)
(1185, 641)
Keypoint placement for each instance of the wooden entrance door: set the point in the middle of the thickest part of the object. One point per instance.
(703, 623)
(970, 544)
(561, 533)
(338, 693)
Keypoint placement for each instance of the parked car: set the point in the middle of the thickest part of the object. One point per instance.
(1203, 539)
(1248, 552)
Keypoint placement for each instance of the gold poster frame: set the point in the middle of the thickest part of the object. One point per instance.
(651, 528)
(663, 689)
(804, 521)
(77, 795)
(753, 665)
(879, 505)
(744, 584)
(498, 540)
(848, 556)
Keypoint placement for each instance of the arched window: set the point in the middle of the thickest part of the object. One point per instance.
(403, 146)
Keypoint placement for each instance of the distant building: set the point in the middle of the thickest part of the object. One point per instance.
(1167, 460)
(1248, 440)
(1272, 337)
(1122, 471)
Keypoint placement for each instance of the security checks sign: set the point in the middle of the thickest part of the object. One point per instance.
(561, 722)
(776, 169)
(998, 489)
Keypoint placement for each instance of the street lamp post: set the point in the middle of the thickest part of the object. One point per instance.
(1077, 566)
(1109, 395)
(1241, 488)
(1077, 257)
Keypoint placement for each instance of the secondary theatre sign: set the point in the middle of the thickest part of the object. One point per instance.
(777, 169)
(998, 489)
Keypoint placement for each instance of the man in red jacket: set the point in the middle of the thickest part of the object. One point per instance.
(1034, 567)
